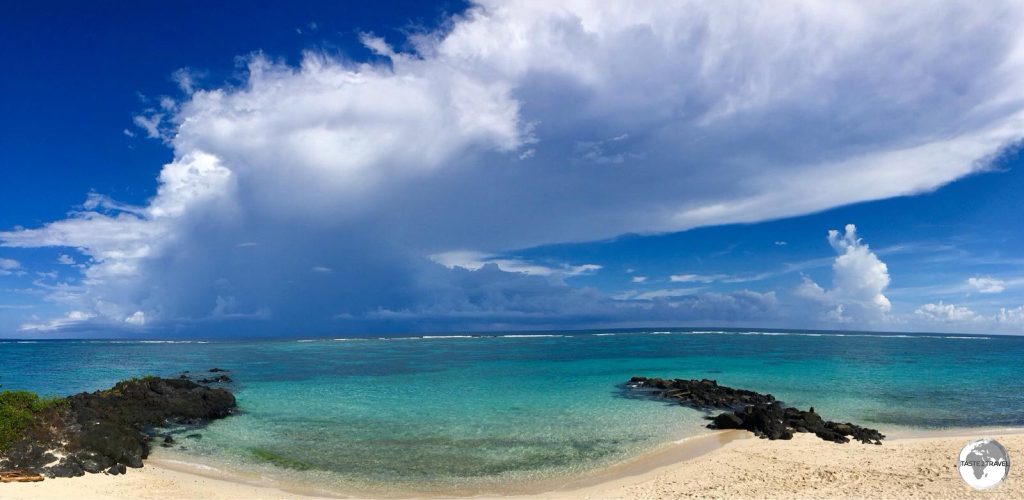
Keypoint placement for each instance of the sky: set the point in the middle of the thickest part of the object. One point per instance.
(197, 170)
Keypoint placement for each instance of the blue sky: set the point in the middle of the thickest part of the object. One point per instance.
(328, 169)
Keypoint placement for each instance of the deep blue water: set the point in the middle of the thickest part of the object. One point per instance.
(483, 410)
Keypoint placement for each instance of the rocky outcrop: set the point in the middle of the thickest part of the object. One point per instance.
(219, 379)
(759, 413)
(703, 394)
(109, 430)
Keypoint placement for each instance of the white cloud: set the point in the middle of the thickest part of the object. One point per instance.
(984, 284)
(638, 279)
(963, 318)
(186, 79)
(8, 266)
(66, 259)
(697, 278)
(71, 318)
(98, 202)
(120, 241)
(138, 318)
(322, 269)
(476, 260)
(366, 168)
(859, 281)
(657, 294)
(1012, 316)
(378, 45)
(150, 123)
(946, 313)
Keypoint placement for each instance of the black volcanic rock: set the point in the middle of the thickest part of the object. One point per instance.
(703, 394)
(219, 379)
(106, 431)
(116, 469)
(727, 420)
(765, 420)
(759, 413)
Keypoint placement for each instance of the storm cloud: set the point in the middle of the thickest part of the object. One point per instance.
(313, 197)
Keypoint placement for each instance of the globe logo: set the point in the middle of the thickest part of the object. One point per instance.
(983, 463)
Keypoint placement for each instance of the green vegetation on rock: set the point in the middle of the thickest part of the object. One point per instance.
(17, 411)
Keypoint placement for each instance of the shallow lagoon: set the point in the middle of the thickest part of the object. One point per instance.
(433, 412)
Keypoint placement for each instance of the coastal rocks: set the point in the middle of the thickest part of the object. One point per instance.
(66, 468)
(107, 431)
(702, 394)
(765, 420)
(837, 432)
(727, 421)
(219, 379)
(116, 469)
(152, 401)
(777, 422)
(759, 413)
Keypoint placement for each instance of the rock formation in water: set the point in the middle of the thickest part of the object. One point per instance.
(109, 430)
(759, 413)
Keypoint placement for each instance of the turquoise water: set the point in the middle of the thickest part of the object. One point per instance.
(479, 412)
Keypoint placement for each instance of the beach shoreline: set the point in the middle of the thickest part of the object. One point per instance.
(724, 464)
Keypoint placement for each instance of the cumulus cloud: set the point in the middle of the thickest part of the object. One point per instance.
(946, 313)
(1011, 316)
(984, 284)
(524, 123)
(859, 280)
(964, 318)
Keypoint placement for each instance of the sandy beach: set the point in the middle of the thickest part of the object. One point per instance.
(730, 464)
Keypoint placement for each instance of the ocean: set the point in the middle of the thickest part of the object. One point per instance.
(480, 412)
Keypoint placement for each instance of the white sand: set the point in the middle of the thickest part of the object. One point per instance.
(744, 467)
